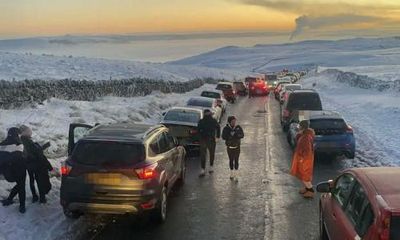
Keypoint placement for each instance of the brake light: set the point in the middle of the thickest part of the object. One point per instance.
(252, 88)
(385, 230)
(193, 131)
(65, 169)
(286, 113)
(349, 129)
(148, 172)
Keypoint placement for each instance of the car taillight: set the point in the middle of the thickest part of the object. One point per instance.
(252, 88)
(286, 113)
(193, 131)
(385, 229)
(148, 172)
(349, 129)
(65, 169)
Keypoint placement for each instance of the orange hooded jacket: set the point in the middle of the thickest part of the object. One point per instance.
(303, 157)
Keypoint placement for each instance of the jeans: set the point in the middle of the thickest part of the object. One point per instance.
(233, 154)
(206, 144)
(31, 174)
(19, 189)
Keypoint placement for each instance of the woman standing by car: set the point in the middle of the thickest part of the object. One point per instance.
(303, 159)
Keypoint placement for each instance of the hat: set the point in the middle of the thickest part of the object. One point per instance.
(13, 132)
(230, 118)
(206, 111)
(304, 124)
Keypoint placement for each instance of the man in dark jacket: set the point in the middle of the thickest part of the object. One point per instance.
(37, 164)
(209, 130)
(13, 167)
(232, 134)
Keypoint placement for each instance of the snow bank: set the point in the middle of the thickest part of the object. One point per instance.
(370, 107)
(50, 123)
(18, 66)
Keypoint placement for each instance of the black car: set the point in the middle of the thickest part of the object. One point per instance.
(120, 169)
(296, 101)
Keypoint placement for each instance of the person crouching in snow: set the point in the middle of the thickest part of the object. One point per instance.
(37, 164)
(13, 167)
(303, 159)
(232, 134)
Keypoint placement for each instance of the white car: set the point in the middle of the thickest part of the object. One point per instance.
(215, 94)
(206, 103)
(286, 88)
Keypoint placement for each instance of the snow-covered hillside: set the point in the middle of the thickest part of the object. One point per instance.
(18, 66)
(302, 55)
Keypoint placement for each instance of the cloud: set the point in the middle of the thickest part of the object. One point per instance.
(308, 22)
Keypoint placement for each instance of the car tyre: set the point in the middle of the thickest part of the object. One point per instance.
(322, 231)
(71, 214)
(160, 212)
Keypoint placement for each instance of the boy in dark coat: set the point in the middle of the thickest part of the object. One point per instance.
(37, 164)
(13, 167)
(232, 134)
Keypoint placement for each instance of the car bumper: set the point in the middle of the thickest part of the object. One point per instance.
(348, 151)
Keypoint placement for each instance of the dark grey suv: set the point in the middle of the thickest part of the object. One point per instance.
(120, 169)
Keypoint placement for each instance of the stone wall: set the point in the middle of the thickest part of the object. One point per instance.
(20, 93)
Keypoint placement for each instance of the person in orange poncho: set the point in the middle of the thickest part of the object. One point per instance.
(303, 159)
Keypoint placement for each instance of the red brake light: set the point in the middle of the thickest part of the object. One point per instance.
(349, 129)
(193, 131)
(148, 172)
(65, 169)
(385, 231)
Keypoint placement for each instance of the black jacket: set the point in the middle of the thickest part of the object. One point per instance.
(33, 153)
(12, 163)
(232, 136)
(209, 128)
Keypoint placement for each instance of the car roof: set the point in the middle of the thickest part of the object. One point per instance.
(121, 132)
(186, 109)
(325, 114)
(385, 182)
(204, 99)
(212, 91)
(292, 84)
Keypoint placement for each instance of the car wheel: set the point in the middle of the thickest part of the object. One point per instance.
(322, 231)
(160, 212)
(71, 214)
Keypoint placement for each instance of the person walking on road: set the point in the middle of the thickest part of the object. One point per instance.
(303, 159)
(37, 164)
(13, 167)
(232, 134)
(209, 131)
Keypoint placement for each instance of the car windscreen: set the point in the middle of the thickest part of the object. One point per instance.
(304, 101)
(108, 153)
(182, 116)
(222, 86)
(200, 103)
(211, 95)
(395, 227)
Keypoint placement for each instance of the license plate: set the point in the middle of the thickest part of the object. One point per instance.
(103, 178)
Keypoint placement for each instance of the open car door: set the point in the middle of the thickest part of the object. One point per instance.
(76, 132)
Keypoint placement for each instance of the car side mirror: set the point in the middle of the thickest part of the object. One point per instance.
(325, 187)
(163, 113)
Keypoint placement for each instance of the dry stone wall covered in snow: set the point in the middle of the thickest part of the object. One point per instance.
(20, 93)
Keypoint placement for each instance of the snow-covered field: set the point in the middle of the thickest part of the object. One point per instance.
(50, 123)
(381, 72)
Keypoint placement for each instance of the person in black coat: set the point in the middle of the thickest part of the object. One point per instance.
(13, 167)
(232, 134)
(209, 131)
(37, 164)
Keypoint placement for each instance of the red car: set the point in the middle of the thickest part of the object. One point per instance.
(362, 203)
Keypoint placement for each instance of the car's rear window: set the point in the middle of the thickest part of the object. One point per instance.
(304, 101)
(328, 124)
(395, 228)
(182, 116)
(200, 103)
(108, 154)
(211, 95)
(222, 86)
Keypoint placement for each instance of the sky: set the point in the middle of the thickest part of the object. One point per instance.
(23, 18)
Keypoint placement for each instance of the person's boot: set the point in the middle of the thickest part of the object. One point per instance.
(43, 200)
(22, 209)
(236, 176)
(202, 172)
(35, 198)
(309, 193)
(302, 190)
(211, 170)
(7, 202)
(232, 176)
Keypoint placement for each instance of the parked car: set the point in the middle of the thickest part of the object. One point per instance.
(362, 203)
(182, 124)
(120, 169)
(333, 134)
(228, 91)
(216, 95)
(240, 88)
(286, 88)
(206, 103)
(296, 101)
(279, 87)
(258, 88)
